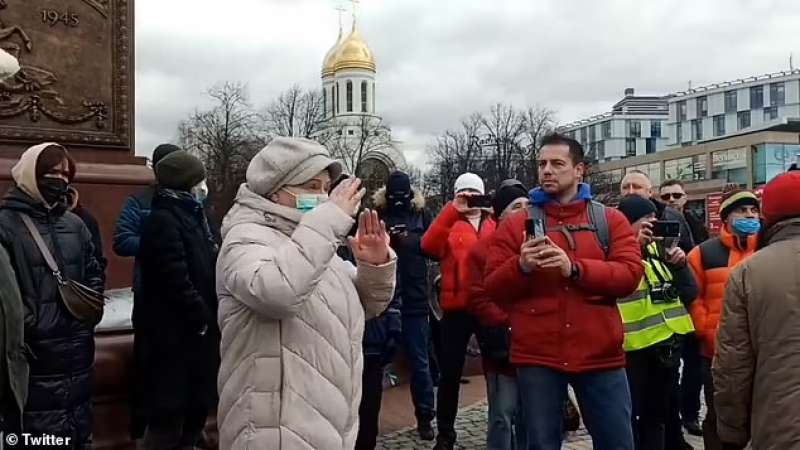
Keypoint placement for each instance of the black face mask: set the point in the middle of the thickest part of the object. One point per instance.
(399, 200)
(53, 190)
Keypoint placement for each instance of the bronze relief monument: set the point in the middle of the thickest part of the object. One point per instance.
(74, 87)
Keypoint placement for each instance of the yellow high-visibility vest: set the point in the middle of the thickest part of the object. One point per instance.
(645, 323)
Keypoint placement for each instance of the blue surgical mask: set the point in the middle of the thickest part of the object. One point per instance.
(746, 227)
(307, 202)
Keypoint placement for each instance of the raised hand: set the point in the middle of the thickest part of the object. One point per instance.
(347, 196)
(371, 243)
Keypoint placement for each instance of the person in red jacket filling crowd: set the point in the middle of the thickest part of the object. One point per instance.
(506, 429)
(449, 239)
(561, 291)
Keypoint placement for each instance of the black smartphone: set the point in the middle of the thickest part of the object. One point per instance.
(667, 228)
(479, 201)
(535, 228)
(400, 228)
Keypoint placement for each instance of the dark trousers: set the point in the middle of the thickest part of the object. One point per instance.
(456, 327)
(416, 341)
(370, 408)
(176, 431)
(604, 399)
(435, 349)
(710, 436)
(652, 383)
(692, 379)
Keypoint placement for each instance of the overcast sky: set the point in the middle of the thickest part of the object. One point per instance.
(439, 60)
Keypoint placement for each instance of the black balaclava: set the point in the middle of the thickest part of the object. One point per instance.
(398, 192)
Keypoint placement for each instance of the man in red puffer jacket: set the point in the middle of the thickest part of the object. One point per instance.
(562, 291)
(449, 239)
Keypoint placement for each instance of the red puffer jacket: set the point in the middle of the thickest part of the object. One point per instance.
(449, 239)
(567, 325)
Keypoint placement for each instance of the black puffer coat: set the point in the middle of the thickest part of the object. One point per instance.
(177, 257)
(60, 348)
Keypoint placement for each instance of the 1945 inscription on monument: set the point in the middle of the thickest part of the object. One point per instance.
(74, 85)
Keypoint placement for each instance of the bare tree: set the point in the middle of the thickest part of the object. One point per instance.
(224, 137)
(295, 113)
(501, 144)
(351, 140)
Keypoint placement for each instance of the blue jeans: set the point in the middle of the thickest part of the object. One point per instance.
(416, 340)
(506, 427)
(603, 397)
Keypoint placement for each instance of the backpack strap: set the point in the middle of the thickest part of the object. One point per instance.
(597, 217)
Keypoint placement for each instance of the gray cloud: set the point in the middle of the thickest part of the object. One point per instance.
(439, 61)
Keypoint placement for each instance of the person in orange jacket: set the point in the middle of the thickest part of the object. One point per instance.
(711, 263)
(449, 239)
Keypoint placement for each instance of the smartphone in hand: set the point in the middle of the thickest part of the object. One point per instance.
(535, 228)
(479, 201)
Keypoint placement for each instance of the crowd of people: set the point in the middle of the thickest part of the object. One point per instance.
(283, 320)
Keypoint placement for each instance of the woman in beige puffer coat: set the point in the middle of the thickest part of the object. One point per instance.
(291, 312)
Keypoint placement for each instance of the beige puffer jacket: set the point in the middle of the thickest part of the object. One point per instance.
(757, 366)
(292, 318)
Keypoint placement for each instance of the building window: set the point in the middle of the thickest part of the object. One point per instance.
(756, 97)
(771, 160)
(678, 134)
(607, 129)
(682, 111)
(336, 98)
(601, 150)
(730, 102)
(770, 113)
(730, 166)
(777, 94)
(592, 133)
(634, 128)
(719, 125)
(363, 96)
(655, 128)
(692, 168)
(702, 106)
(349, 96)
(653, 171)
(650, 145)
(697, 130)
(373, 98)
(325, 101)
(630, 147)
(350, 132)
(743, 117)
(583, 136)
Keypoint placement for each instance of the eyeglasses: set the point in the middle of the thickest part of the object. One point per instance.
(673, 195)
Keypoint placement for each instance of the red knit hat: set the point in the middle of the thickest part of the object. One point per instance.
(781, 198)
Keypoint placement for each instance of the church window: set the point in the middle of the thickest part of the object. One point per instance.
(363, 96)
(349, 96)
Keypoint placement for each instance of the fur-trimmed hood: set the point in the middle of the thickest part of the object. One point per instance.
(379, 200)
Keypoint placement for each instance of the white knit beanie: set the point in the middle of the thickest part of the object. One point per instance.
(469, 181)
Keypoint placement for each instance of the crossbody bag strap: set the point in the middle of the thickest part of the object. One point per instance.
(37, 237)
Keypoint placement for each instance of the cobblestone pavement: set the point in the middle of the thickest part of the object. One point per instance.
(471, 429)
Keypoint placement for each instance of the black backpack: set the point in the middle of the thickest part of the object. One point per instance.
(598, 224)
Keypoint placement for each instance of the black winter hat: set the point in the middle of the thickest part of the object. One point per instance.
(398, 183)
(635, 207)
(180, 171)
(506, 194)
(163, 150)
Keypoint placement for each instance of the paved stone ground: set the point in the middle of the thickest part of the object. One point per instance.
(471, 429)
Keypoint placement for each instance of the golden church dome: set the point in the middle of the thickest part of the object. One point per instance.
(353, 53)
(328, 64)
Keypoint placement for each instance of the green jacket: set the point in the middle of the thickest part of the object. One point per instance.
(13, 365)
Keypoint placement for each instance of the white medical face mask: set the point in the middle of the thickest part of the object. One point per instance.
(200, 191)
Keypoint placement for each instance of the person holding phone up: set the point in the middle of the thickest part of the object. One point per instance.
(562, 289)
(655, 318)
(449, 239)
